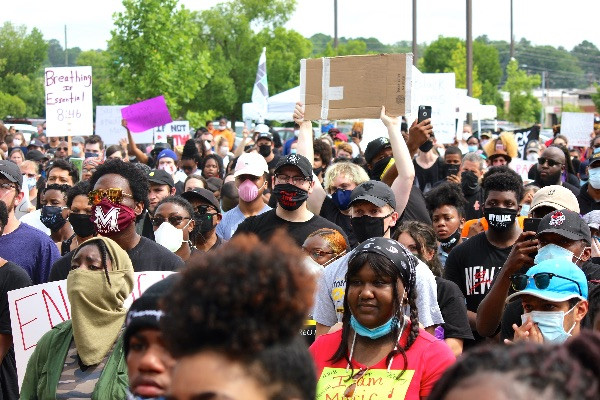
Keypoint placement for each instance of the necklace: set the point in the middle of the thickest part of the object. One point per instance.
(395, 346)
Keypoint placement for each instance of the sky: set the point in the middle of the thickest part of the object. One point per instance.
(543, 22)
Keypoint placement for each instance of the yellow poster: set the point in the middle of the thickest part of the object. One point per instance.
(375, 384)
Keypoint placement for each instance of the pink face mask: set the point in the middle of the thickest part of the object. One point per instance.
(248, 191)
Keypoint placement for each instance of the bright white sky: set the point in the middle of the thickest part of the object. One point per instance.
(552, 22)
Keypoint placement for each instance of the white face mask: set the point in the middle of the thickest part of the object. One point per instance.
(170, 168)
(532, 157)
(223, 150)
(16, 142)
(170, 237)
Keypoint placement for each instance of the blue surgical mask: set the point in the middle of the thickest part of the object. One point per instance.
(594, 177)
(551, 324)
(293, 151)
(374, 333)
(525, 209)
(28, 182)
(582, 182)
(341, 198)
(88, 155)
(76, 150)
(596, 150)
(472, 148)
(553, 252)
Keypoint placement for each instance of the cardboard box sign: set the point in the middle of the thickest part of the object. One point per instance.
(356, 86)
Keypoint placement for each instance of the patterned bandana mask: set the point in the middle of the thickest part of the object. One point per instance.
(111, 218)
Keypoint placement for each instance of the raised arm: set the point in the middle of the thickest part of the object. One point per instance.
(131, 147)
(305, 148)
(239, 150)
(406, 171)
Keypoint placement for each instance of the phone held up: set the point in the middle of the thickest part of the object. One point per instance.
(425, 113)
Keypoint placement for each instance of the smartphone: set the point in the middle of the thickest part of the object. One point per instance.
(531, 224)
(424, 113)
(452, 169)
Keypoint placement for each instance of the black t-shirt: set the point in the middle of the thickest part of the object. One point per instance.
(146, 256)
(454, 310)
(474, 207)
(425, 178)
(330, 212)
(586, 202)
(273, 163)
(415, 209)
(265, 224)
(11, 277)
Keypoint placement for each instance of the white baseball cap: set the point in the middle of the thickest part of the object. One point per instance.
(261, 128)
(251, 164)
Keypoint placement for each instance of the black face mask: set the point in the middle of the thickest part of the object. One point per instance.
(264, 150)
(317, 171)
(451, 241)
(289, 197)
(82, 225)
(379, 167)
(52, 217)
(367, 227)
(204, 222)
(426, 147)
(469, 182)
(500, 219)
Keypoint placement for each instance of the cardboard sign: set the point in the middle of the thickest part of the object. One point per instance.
(577, 127)
(356, 86)
(374, 384)
(147, 114)
(68, 101)
(521, 167)
(35, 310)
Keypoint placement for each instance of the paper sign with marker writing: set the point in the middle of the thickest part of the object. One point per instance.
(147, 114)
(35, 310)
(69, 109)
(374, 384)
(577, 127)
(522, 167)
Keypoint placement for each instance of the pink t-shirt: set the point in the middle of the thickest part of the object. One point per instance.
(428, 358)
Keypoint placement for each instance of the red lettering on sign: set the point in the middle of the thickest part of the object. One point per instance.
(21, 324)
(46, 296)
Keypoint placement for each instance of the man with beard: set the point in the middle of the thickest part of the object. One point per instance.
(292, 184)
(20, 243)
(550, 167)
(470, 173)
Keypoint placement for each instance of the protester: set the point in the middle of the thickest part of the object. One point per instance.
(420, 240)
(231, 334)
(116, 151)
(229, 196)
(85, 354)
(502, 150)
(89, 167)
(212, 166)
(325, 246)
(265, 146)
(473, 264)
(54, 203)
(550, 168)
(452, 160)
(161, 186)
(12, 277)
(80, 211)
(77, 149)
(469, 178)
(552, 198)
(174, 224)
(224, 131)
(190, 158)
(429, 167)
(356, 136)
(94, 147)
(251, 175)
(20, 243)
(166, 160)
(31, 175)
(529, 192)
(16, 155)
(207, 217)
(376, 334)
(119, 195)
(194, 182)
(589, 195)
(62, 151)
(322, 157)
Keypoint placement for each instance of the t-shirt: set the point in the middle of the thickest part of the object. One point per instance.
(586, 202)
(30, 249)
(427, 359)
(415, 209)
(265, 225)
(474, 207)
(33, 219)
(454, 310)
(329, 302)
(426, 177)
(145, 256)
(231, 219)
(273, 163)
(11, 277)
(332, 213)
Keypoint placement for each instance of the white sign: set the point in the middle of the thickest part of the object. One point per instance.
(577, 127)
(522, 167)
(35, 310)
(178, 130)
(69, 101)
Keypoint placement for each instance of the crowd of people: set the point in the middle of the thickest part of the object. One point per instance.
(427, 270)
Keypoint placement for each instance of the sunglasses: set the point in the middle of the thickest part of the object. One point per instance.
(551, 163)
(174, 220)
(205, 210)
(63, 148)
(318, 253)
(541, 281)
(115, 195)
(349, 392)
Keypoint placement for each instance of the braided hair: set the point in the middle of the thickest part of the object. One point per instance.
(104, 255)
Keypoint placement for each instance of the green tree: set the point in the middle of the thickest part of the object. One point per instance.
(23, 53)
(457, 65)
(524, 107)
(588, 59)
(562, 70)
(103, 91)
(11, 106)
(151, 53)
(28, 88)
(596, 97)
(437, 56)
(351, 47)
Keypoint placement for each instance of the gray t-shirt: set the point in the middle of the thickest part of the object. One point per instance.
(329, 302)
(230, 221)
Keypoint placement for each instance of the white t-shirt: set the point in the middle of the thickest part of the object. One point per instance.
(329, 302)
(33, 219)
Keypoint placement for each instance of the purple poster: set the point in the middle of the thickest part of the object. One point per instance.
(147, 114)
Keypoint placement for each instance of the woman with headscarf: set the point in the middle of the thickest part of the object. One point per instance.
(83, 357)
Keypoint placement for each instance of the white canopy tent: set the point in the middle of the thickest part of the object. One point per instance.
(279, 107)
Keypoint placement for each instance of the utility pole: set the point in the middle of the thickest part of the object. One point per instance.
(335, 30)
(543, 113)
(66, 51)
(415, 48)
(469, 53)
(512, 36)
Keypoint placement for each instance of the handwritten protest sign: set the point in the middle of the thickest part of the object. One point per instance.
(521, 167)
(35, 310)
(68, 101)
(178, 130)
(374, 384)
(577, 127)
(147, 114)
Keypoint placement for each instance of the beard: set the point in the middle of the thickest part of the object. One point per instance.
(553, 179)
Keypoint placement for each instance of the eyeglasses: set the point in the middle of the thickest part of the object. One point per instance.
(551, 163)
(174, 220)
(541, 280)
(7, 186)
(63, 148)
(296, 180)
(317, 253)
(115, 195)
(349, 392)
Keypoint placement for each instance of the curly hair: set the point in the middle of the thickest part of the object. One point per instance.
(217, 159)
(80, 189)
(334, 239)
(523, 371)
(190, 152)
(502, 179)
(324, 150)
(382, 266)
(425, 238)
(446, 194)
(352, 171)
(138, 182)
(66, 166)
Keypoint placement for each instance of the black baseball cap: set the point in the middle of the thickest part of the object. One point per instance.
(565, 223)
(264, 135)
(593, 158)
(35, 155)
(374, 192)
(296, 160)
(161, 177)
(375, 146)
(11, 171)
(202, 194)
(36, 143)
